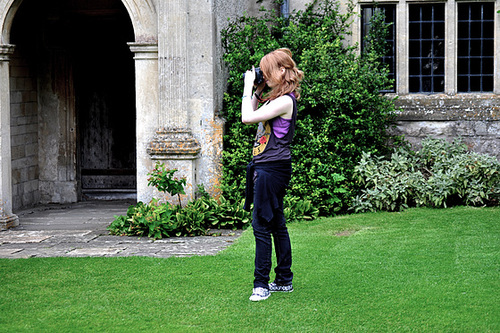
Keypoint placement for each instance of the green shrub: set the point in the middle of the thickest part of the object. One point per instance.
(155, 220)
(158, 220)
(341, 112)
(298, 210)
(163, 179)
(441, 174)
(221, 213)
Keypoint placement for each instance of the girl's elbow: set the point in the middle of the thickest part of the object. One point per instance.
(247, 121)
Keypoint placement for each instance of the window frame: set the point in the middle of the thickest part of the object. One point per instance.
(451, 46)
(391, 59)
(470, 57)
(430, 50)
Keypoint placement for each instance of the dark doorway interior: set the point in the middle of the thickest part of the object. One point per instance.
(105, 97)
(91, 36)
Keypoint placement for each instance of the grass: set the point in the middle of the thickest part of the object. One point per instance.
(421, 270)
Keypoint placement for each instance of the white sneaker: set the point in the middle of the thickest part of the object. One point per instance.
(260, 294)
(278, 287)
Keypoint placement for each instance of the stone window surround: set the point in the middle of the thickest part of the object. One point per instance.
(402, 14)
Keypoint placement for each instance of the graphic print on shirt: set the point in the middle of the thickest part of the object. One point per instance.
(262, 138)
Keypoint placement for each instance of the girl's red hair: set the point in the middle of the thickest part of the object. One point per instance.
(289, 80)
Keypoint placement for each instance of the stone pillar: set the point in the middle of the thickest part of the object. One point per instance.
(146, 89)
(7, 218)
(174, 144)
(172, 49)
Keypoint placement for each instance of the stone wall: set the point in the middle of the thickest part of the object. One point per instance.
(473, 117)
(225, 10)
(24, 133)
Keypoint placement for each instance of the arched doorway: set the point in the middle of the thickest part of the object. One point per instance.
(72, 102)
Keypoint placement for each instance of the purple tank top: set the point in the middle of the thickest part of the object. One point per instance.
(281, 126)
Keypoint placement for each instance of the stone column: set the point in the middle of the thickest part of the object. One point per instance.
(172, 47)
(174, 144)
(146, 89)
(7, 218)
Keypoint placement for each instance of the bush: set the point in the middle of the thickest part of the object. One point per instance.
(341, 113)
(154, 220)
(157, 220)
(299, 210)
(441, 174)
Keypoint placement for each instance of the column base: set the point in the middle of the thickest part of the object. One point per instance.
(177, 149)
(8, 221)
(173, 143)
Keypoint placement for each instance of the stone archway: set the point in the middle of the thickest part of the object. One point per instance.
(142, 13)
(142, 16)
(72, 107)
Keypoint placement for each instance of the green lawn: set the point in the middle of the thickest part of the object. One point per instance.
(422, 270)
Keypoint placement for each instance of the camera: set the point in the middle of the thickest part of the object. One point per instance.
(259, 77)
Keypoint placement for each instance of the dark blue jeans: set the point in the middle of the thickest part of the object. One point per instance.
(263, 232)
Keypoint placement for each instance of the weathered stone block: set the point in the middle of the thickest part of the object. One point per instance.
(8, 221)
(474, 117)
(31, 109)
(177, 149)
(17, 152)
(16, 110)
(16, 176)
(58, 191)
(31, 149)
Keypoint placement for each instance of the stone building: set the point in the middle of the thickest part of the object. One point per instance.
(93, 93)
(444, 59)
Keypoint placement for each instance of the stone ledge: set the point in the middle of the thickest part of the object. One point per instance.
(174, 143)
(441, 107)
(5, 51)
(8, 221)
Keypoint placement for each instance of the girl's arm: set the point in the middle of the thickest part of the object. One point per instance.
(282, 106)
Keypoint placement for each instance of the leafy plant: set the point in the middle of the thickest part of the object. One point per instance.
(440, 174)
(163, 179)
(155, 220)
(297, 209)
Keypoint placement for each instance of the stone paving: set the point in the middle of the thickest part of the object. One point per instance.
(79, 230)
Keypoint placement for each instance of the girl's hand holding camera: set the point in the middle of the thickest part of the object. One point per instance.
(249, 77)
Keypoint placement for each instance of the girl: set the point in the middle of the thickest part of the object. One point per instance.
(269, 172)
